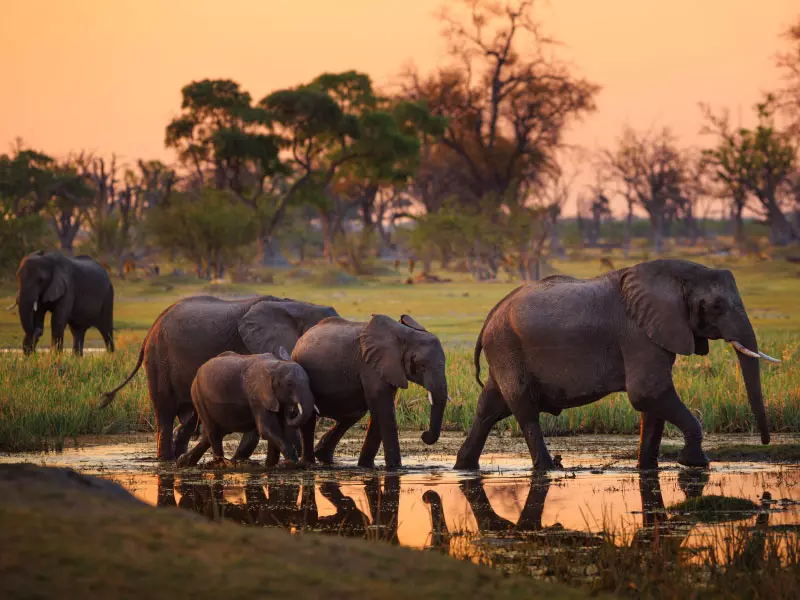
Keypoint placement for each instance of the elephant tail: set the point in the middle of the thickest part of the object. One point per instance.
(109, 396)
(478, 350)
(479, 341)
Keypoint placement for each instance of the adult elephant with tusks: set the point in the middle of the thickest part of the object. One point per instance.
(193, 331)
(357, 368)
(77, 292)
(564, 342)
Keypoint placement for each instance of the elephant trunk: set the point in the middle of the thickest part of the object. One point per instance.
(303, 407)
(437, 396)
(751, 372)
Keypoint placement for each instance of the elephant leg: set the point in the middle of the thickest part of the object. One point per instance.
(270, 429)
(215, 437)
(78, 337)
(247, 445)
(650, 431)
(307, 440)
(165, 417)
(194, 455)
(273, 454)
(668, 406)
(532, 430)
(183, 433)
(491, 409)
(107, 324)
(58, 324)
(372, 442)
(327, 444)
(382, 408)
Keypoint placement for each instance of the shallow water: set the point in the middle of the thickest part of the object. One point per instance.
(468, 514)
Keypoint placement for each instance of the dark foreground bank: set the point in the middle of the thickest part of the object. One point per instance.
(71, 535)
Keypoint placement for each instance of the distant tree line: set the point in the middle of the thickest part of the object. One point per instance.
(463, 164)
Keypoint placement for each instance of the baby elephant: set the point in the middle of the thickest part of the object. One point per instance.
(241, 393)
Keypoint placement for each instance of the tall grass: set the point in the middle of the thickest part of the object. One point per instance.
(45, 399)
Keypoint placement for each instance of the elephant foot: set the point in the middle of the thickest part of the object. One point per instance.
(466, 464)
(366, 464)
(185, 461)
(220, 462)
(693, 456)
(324, 456)
(546, 463)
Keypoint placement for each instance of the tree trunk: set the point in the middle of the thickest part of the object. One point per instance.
(271, 254)
(628, 229)
(327, 237)
(781, 232)
(657, 225)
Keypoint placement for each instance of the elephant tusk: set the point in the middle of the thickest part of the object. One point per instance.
(745, 351)
(768, 357)
(35, 305)
(316, 409)
(449, 399)
(11, 306)
(430, 398)
(300, 408)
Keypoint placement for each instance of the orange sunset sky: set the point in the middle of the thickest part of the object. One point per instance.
(105, 75)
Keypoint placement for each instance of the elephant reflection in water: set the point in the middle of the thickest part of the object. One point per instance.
(657, 527)
(292, 504)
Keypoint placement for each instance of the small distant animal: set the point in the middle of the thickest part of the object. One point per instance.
(397, 264)
(128, 267)
(411, 265)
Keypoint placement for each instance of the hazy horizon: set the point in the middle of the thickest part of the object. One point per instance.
(106, 77)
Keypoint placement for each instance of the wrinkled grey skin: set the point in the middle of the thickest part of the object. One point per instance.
(565, 342)
(76, 291)
(358, 367)
(240, 393)
(195, 330)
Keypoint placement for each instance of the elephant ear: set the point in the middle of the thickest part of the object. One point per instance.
(655, 301)
(408, 321)
(267, 326)
(58, 285)
(380, 349)
(258, 384)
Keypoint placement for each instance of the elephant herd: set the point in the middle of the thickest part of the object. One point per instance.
(269, 367)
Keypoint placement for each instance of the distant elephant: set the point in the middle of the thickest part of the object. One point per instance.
(78, 293)
(238, 393)
(358, 367)
(565, 342)
(195, 330)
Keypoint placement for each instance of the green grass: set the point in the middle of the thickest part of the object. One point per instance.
(46, 399)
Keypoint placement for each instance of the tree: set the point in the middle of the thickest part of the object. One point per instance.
(507, 104)
(651, 168)
(346, 141)
(757, 162)
(229, 143)
(507, 108)
(209, 227)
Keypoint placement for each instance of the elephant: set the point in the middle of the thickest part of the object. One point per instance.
(76, 291)
(564, 342)
(195, 330)
(358, 367)
(239, 393)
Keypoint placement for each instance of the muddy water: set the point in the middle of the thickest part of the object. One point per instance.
(428, 505)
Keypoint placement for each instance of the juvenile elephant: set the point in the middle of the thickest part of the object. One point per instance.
(76, 291)
(240, 393)
(358, 367)
(195, 330)
(564, 342)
